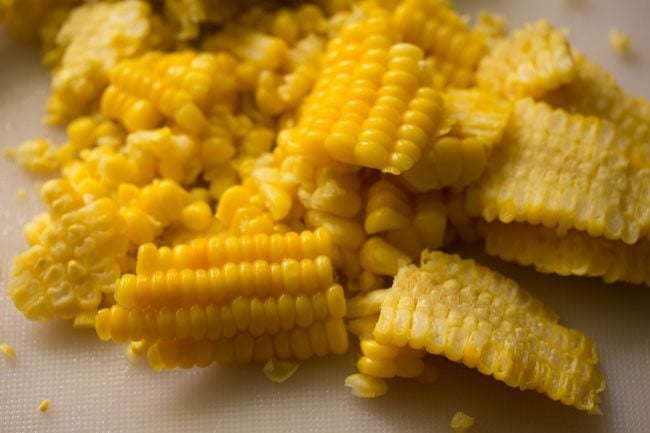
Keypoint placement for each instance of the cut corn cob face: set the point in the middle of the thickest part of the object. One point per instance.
(576, 253)
(74, 259)
(534, 60)
(372, 104)
(565, 171)
(231, 300)
(472, 315)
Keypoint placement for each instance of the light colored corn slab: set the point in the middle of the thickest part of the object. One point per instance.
(473, 315)
(530, 62)
(565, 171)
(576, 253)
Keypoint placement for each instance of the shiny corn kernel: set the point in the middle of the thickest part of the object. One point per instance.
(7, 350)
(278, 371)
(365, 386)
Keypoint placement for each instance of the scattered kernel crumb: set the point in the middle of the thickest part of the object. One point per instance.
(9, 153)
(136, 350)
(461, 422)
(619, 41)
(364, 386)
(21, 194)
(279, 371)
(7, 350)
(44, 405)
(84, 321)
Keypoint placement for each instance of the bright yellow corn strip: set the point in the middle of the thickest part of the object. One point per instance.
(244, 295)
(93, 39)
(74, 261)
(594, 92)
(473, 315)
(371, 104)
(434, 26)
(576, 253)
(221, 250)
(532, 61)
(566, 171)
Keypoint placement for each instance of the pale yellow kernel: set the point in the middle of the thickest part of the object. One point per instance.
(365, 386)
(619, 41)
(461, 422)
(44, 405)
(7, 350)
(278, 371)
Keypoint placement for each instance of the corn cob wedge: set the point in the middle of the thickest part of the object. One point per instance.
(576, 253)
(565, 171)
(532, 61)
(470, 314)
(230, 300)
(371, 104)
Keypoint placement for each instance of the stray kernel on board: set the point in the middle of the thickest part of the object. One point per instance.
(45, 404)
(8, 350)
(256, 181)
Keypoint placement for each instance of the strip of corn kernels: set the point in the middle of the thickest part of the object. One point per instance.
(473, 315)
(566, 171)
(576, 253)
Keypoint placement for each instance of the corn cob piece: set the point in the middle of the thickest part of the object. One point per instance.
(470, 314)
(576, 253)
(594, 92)
(231, 300)
(565, 171)
(532, 61)
(371, 104)
(387, 208)
(453, 50)
(93, 39)
(492, 26)
(75, 259)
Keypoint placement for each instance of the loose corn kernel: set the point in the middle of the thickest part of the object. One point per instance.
(461, 422)
(532, 61)
(619, 41)
(470, 314)
(37, 155)
(7, 350)
(379, 257)
(365, 386)
(278, 371)
(44, 405)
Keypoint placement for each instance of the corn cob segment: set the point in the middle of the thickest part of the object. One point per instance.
(372, 104)
(73, 261)
(243, 299)
(576, 253)
(453, 50)
(470, 314)
(565, 171)
(532, 61)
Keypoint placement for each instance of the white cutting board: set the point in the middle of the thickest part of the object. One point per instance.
(92, 387)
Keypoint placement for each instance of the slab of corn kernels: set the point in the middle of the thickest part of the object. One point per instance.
(240, 167)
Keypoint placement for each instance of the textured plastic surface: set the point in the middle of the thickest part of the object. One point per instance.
(93, 388)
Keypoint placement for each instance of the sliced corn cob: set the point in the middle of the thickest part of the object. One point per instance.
(454, 50)
(594, 92)
(93, 39)
(470, 314)
(371, 104)
(565, 171)
(576, 253)
(532, 61)
(75, 260)
(231, 300)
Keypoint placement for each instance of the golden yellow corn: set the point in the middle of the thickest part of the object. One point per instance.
(462, 223)
(492, 26)
(532, 61)
(576, 253)
(365, 386)
(380, 257)
(75, 259)
(255, 297)
(7, 350)
(566, 171)
(387, 208)
(93, 39)
(38, 156)
(371, 104)
(433, 25)
(470, 314)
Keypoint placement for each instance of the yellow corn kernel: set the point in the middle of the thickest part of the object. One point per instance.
(33, 229)
(492, 26)
(443, 35)
(461, 422)
(345, 232)
(576, 253)
(379, 257)
(7, 350)
(552, 179)
(470, 314)
(387, 208)
(365, 386)
(619, 41)
(279, 371)
(44, 405)
(37, 155)
(365, 304)
(197, 216)
(532, 61)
